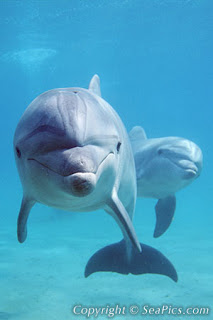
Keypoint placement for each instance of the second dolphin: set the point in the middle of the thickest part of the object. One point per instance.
(163, 167)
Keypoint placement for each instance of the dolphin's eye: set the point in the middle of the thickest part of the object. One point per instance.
(118, 146)
(18, 152)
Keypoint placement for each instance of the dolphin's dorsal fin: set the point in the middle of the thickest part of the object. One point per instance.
(94, 85)
(137, 133)
(137, 136)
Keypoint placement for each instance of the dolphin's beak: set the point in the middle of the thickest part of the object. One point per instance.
(190, 174)
(189, 167)
(82, 184)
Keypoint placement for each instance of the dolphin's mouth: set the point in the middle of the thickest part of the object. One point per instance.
(72, 170)
(189, 167)
(44, 165)
(79, 183)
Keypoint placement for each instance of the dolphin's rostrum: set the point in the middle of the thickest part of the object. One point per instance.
(73, 152)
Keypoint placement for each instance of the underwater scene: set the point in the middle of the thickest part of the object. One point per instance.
(106, 180)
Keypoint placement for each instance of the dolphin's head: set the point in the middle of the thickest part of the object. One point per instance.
(168, 164)
(62, 150)
(184, 154)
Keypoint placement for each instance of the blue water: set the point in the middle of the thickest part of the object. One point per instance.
(154, 59)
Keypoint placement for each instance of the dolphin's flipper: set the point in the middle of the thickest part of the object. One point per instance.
(26, 206)
(113, 258)
(94, 85)
(120, 214)
(165, 209)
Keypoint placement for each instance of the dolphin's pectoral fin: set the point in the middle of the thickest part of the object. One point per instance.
(94, 85)
(165, 209)
(26, 206)
(120, 214)
(113, 258)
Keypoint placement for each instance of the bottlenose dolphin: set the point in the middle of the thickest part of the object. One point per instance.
(164, 166)
(73, 152)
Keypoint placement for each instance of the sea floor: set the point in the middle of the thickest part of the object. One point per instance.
(44, 277)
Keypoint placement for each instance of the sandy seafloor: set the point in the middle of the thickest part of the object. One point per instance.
(44, 277)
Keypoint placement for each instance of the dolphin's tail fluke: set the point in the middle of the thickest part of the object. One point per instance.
(113, 258)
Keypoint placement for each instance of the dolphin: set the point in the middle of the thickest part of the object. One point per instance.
(73, 153)
(163, 167)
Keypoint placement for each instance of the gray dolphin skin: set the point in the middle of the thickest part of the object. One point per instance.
(73, 153)
(163, 167)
